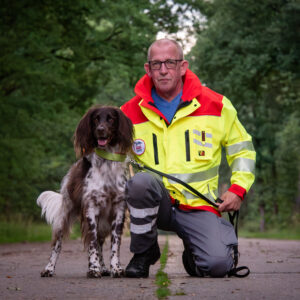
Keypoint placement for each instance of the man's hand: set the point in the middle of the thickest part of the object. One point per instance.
(231, 202)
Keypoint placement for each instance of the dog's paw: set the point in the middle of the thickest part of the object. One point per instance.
(117, 272)
(47, 273)
(93, 274)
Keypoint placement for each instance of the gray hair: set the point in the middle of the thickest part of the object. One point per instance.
(165, 41)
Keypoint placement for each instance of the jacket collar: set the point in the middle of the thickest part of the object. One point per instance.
(192, 87)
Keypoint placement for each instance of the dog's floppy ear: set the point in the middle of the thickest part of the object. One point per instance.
(83, 136)
(125, 132)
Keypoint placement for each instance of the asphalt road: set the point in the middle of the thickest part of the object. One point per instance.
(275, 274)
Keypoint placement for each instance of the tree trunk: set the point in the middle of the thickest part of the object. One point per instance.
(298, 196)
(262, 218)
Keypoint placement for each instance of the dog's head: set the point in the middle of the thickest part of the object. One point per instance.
(105, 127)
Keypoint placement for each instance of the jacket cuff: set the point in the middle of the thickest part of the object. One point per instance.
(238, 190)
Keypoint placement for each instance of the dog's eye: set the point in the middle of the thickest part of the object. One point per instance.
(110, 119)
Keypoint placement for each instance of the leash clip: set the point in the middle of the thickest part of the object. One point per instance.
(136, 164)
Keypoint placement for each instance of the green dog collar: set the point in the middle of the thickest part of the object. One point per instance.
(110, 155)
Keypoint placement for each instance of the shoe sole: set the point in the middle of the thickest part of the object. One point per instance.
(134, 275)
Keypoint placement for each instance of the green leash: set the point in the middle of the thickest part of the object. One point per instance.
(110, 155)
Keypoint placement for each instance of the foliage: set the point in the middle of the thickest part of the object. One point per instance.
(249, 51)
(56, 59)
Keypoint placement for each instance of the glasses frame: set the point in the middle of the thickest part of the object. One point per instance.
(163, 62)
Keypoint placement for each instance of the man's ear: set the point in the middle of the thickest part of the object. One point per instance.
(183, 67)
(147, 69)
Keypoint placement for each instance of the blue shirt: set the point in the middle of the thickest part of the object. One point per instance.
(167, 108)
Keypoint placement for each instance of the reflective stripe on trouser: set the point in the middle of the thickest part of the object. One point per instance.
(146, 199)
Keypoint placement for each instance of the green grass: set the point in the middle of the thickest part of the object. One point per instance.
(161, 279)
(14, 232)
(280, 234)
(18, 230)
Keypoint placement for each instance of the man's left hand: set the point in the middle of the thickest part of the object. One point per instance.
(231, 202)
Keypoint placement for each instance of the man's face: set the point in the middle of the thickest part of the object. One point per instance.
(168, 82)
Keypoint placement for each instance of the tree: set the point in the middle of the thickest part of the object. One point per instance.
(56, 59)
(249, 51)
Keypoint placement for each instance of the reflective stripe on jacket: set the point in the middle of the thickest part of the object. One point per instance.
(190, 147)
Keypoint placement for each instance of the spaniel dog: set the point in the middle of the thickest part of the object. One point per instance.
(93, 189)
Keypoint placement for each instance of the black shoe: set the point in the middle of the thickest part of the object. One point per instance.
(140, 263)
(189, 263)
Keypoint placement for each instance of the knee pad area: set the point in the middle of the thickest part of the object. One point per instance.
(213, 266)
(218, 266)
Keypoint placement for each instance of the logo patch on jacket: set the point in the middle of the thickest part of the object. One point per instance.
(139, 146)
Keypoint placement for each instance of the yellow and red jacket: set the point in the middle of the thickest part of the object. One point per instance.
(190, 147)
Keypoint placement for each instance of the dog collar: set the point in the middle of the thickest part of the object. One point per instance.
(110, 155)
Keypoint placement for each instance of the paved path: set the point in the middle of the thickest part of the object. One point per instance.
(275, 274)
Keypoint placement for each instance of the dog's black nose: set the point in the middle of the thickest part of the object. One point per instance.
(100, 129)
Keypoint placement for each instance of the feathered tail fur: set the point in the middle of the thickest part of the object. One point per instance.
(51, 204)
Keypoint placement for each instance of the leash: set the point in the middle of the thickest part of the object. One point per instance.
(141, 167)
(233, 217)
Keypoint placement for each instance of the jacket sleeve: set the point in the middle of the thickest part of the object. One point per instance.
(240, 152)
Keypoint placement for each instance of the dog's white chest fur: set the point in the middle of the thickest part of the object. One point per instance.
(105, 180)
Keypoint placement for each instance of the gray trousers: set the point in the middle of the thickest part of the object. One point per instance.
(208, 238)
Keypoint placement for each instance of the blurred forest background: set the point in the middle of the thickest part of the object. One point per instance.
(57, 58)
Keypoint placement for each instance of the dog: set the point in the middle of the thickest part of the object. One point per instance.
(93, 190)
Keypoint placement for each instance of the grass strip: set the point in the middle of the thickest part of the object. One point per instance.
(161, 278)
(283, 234)
(19, 231)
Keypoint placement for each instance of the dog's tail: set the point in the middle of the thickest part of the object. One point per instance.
(51, 204)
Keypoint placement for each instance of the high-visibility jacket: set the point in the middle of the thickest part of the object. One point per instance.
(190, 147)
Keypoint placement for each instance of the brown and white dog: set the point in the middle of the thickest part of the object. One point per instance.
(93, 189)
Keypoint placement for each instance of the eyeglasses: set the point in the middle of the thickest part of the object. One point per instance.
(169, 63)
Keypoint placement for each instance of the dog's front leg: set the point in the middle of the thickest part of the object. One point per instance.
(116, 233)
(94, 265)
(56, 248)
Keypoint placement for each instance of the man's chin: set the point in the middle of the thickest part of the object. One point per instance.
(163, 89)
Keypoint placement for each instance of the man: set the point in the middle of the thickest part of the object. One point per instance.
(180, 129)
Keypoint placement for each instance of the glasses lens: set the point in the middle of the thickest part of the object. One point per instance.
(171, 64)
(155, 65)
